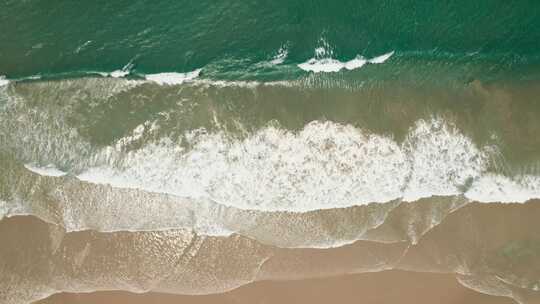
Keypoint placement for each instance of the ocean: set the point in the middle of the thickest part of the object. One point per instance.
(171, 135)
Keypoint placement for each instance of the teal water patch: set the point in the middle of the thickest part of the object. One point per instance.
(233, 39)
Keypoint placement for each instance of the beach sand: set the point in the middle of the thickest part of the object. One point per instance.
(380, 287)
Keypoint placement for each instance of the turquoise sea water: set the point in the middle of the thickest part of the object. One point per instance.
(229, 39)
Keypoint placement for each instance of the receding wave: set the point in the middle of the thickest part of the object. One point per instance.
(487, 242)
(372, 287)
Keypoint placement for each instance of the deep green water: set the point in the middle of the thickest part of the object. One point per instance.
(228, 39)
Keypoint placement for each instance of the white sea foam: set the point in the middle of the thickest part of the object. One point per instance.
(3, 81)
(326, 165)
(280, 57)
(318, 64)
(4, 209)
(330, 65)
(113, 74)
(497, 188)
(173, 78)
(382, 58)
(231, 83)
(242, 83)
(442, 160)
(119, 73)
(136, 134)
(82, 46)
(126, 70)
(49, 170)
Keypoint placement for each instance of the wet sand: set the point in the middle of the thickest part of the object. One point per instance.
(490, 247)
(370, 288)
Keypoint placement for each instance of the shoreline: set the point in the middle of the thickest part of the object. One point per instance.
(386, 287)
